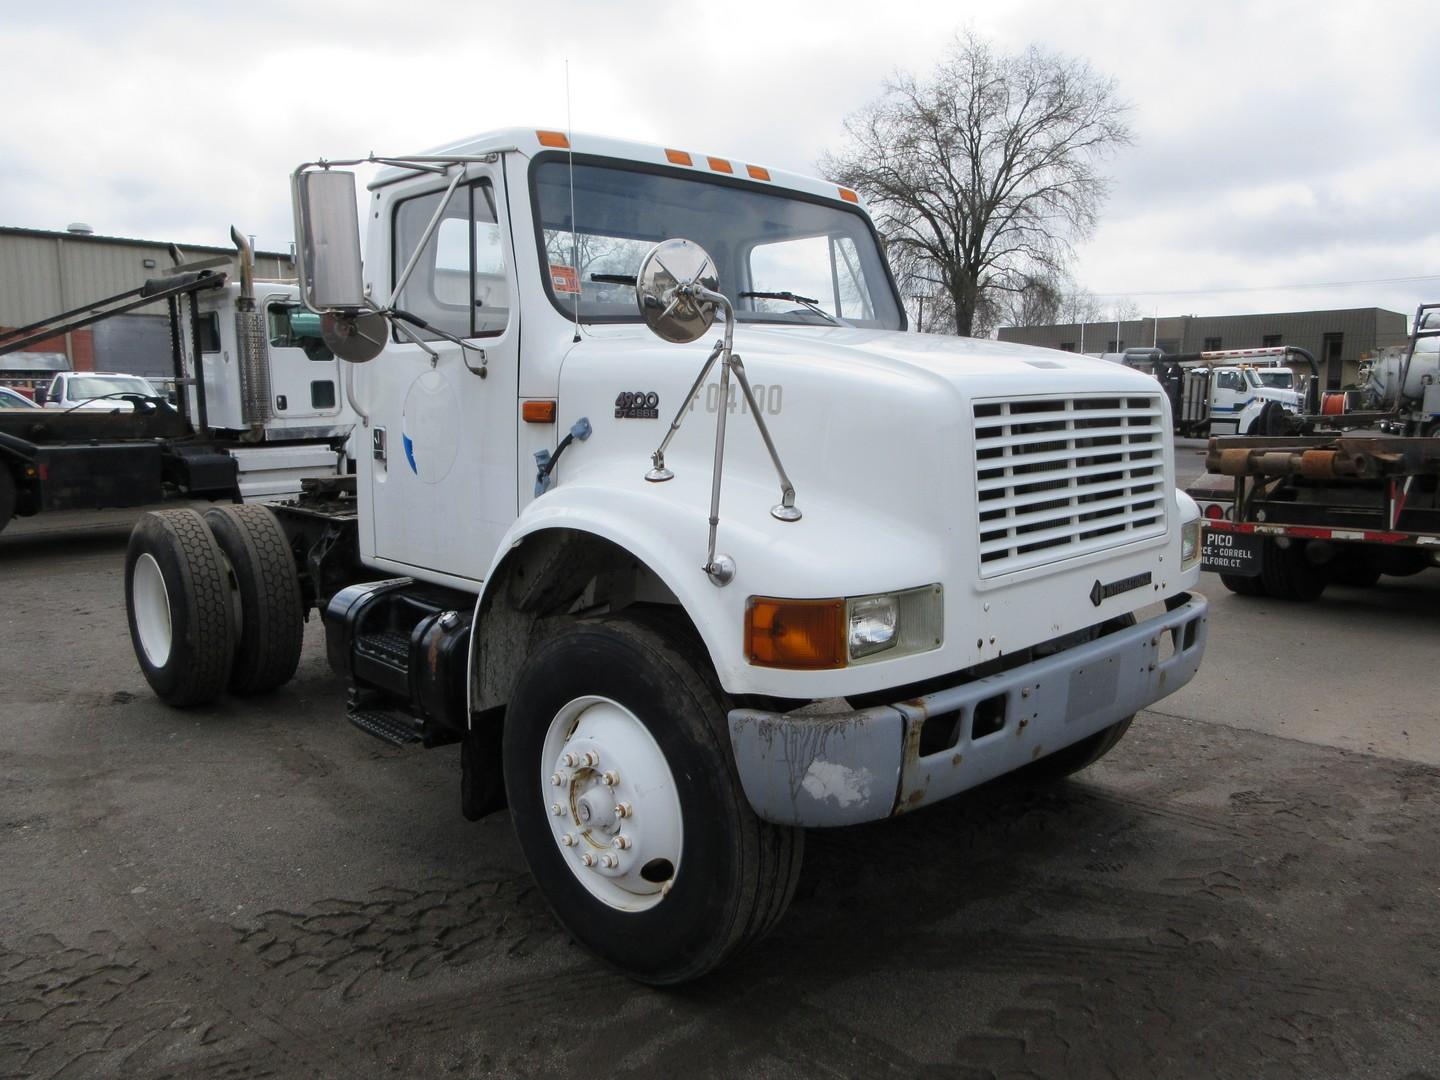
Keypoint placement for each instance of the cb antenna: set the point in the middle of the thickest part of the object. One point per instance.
(574, 225)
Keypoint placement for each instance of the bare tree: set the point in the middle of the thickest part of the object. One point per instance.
(982, 176)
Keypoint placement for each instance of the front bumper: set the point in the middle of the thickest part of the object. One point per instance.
(862, 765)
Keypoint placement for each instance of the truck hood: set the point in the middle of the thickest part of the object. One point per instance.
(980, 365)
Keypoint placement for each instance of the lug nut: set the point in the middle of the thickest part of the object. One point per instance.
(570, 760)
(568, 839)
(556, 809)
(610, 779)
(591, 758)
(587, 859)
(623, 810)
(623, 843)
(608, 861)
(556, 779)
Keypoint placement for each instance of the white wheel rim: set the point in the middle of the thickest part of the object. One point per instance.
(612, 803)
(150, 601)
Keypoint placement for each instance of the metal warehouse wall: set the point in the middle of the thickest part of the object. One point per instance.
(43, 273)
(1361, 330)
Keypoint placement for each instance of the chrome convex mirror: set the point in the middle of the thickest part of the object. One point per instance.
(669, 304)
(679, 295)
(357, 338)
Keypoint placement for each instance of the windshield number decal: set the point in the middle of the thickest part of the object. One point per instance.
(639, 405)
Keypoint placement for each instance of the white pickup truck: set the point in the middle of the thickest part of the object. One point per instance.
(674, 605)
(101, 390)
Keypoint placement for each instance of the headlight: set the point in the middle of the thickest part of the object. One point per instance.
(817, 634)
(888, 625)
(1189, 544)
(873, 622)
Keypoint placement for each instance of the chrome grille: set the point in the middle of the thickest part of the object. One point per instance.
(1059, 477)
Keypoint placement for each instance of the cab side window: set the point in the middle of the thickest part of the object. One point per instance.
(293, 327)
(1229, 380)
(460, 283)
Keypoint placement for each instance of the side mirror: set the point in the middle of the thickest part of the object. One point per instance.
(327, 240)
(672, 313)
(41, 394)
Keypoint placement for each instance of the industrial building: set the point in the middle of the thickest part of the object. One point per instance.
(43, 273)
(1337, 339)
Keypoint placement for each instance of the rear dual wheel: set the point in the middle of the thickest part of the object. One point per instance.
(213, 603)
(626, 802)
(1285, 574)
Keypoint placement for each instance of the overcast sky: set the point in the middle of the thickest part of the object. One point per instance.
(1277, 144)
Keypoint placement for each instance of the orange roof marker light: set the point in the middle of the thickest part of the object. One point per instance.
(848, 195)
(757, 173)
(553, 138)
(719, 164)
(678, 157)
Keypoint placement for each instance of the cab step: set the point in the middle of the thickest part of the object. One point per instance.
(393, 727)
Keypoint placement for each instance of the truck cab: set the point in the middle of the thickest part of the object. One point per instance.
(1238, 395)
(666, 518)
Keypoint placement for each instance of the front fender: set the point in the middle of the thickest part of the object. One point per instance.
(665, 527)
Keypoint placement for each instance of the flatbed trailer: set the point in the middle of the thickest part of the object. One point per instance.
(1286, 516)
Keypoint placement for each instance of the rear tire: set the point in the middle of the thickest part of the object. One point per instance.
(1356, 572)
(177, 599)
(8, 496)
(1244, 586)
(272, 617)
(1289, 575)
(718, 877)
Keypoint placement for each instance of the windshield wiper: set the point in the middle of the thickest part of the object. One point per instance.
(790, 297)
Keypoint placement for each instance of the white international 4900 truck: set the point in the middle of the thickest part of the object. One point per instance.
(911, 565)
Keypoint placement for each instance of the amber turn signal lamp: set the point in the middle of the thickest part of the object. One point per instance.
(538, 412)
(553, 138)
(802, 634)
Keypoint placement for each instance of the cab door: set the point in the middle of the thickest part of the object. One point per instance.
(443, 464)
(304, 374)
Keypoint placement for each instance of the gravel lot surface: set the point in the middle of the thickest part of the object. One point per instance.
(1247, 887)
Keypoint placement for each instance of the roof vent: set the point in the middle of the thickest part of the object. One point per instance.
(80, 228)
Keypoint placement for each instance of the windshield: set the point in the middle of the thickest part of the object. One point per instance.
(94, 386)
(761, 241)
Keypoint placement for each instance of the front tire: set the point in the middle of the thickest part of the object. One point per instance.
(177, 599)
(626, 802)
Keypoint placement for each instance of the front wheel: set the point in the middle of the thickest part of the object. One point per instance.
(620, 779)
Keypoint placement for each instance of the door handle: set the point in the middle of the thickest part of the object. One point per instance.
(377, 444)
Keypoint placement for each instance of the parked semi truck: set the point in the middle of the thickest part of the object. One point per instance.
(257, 405)
(1342, 497)
(676, 606)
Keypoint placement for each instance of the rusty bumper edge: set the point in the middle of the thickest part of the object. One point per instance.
(855, 766)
